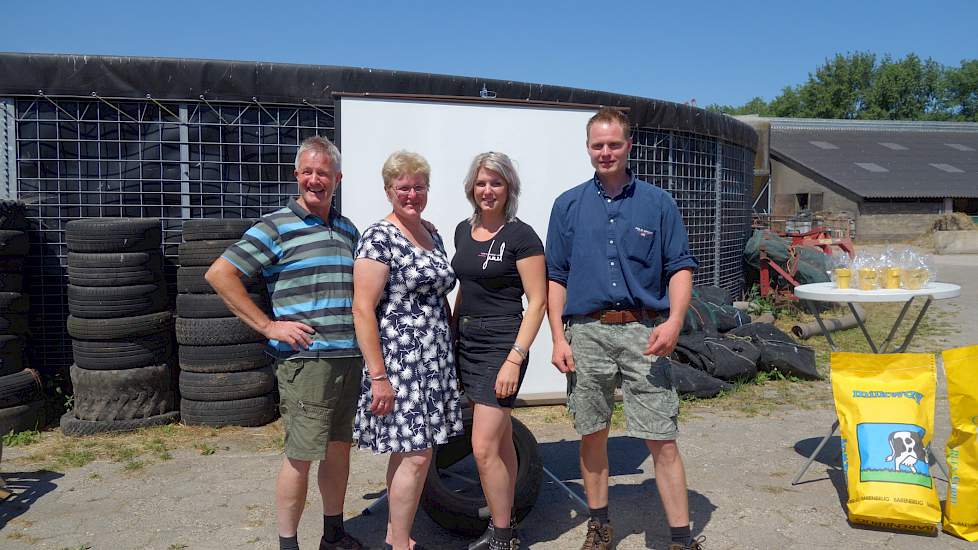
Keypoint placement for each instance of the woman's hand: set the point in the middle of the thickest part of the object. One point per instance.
(383, 397)
(507, 380)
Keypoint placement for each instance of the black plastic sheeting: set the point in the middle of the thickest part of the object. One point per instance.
(188, 79)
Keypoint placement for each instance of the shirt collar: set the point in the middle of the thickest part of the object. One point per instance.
(304, 214)
(626, 191)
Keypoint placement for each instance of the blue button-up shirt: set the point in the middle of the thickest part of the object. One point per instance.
(616, 253)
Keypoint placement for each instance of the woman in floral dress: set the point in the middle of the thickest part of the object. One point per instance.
(409, 401)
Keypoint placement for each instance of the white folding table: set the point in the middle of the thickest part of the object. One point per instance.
(827, 292)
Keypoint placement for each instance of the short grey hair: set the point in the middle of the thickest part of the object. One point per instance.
(322, 146)
(501, 164)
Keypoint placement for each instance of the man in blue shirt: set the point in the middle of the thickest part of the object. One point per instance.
(621, 277)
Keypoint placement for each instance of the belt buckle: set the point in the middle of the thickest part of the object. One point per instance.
(610, 317)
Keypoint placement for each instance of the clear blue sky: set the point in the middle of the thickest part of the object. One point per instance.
(715, 52)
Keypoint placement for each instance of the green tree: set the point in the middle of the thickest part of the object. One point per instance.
(961, 91)
(838, 89)
(908, 89)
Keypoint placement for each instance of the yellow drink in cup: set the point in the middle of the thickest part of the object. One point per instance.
(916, 278)
(843, 277)
(892, 277)
(868, 278)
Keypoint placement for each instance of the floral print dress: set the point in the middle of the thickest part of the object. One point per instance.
(416, 343)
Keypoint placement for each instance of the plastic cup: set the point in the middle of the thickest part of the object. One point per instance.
(891, 278)
(868, 278)
(915, 279)
(843, 277)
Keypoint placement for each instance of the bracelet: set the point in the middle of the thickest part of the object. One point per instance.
(519, 349)
(513, 362)
(379, 377)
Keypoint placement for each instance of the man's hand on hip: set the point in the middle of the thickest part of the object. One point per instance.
(663, 338)
(562, 357)
(293, 333)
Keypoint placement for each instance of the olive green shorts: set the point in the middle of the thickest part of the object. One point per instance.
(318, 400)
(606, 356)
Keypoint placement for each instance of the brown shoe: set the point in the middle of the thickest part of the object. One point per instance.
(598, 536)
(695, 544)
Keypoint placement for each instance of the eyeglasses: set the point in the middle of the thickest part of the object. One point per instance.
(405, 191)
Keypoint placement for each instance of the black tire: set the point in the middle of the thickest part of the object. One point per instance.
(226, 386)
(73, 426)
(19, 388)
(190, 280)
(466, 512)
(14, 323)
(214, 332)
(199, 306)
(11, 282)
(232, 358)
(203, 253)
(28, 416)
(13, 215)
(115, 269)
(113, 234)
(11, 354)
(254, 411)
(207, 229)
(11, 264)
(14, 302)
(122, 394)
(106, 302)
(127, 353)
(121, 328)
(13, 243)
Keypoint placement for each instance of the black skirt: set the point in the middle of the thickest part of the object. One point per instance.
(483, 344)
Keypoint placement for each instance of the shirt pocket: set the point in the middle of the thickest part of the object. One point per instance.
(640, 245)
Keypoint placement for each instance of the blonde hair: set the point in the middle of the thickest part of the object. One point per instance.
(501, 164)
(610, 115)
(404, 163)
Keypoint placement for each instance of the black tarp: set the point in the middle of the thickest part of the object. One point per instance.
(244, 81)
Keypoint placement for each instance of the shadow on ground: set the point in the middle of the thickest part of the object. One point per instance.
(27, 488)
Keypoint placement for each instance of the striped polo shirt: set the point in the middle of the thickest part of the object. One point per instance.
(308, 267)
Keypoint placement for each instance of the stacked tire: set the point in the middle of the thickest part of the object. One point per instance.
(21, 400)
(226, 378)
(121, 328)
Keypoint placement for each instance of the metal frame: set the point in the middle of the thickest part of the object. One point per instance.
(8, 150)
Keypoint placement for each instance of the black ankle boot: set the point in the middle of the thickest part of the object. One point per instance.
(482, 543)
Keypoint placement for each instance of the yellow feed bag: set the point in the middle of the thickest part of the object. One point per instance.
(885, 405)
(961, 506)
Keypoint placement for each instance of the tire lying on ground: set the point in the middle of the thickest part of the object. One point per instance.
(11, 354)
(253, 411)
(109, 395)
(27, 416)
(466, 512)
(115, 269)
(14, 323)
(226, 386)
(113, 234)
(13, 302)
(203, 253)
(104, 302)
(73, 426)
(123, 353)
(230, 358)
(214, 332)
(206, 306)
(19, 388)
(215, 229)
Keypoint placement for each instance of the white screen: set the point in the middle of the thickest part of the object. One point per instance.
(547, 146)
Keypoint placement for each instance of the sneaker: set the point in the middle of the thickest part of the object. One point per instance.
(695, 544)
(598, 536)
(348, 542)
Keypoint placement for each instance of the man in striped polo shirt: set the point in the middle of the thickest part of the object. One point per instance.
(305, 252)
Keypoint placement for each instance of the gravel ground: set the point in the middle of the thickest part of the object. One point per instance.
(739, 467)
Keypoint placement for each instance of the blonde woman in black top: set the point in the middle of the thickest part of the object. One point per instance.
(498, 259)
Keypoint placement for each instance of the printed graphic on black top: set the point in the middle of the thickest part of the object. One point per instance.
(488, 279)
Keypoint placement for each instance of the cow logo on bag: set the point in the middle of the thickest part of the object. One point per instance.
(892, 453)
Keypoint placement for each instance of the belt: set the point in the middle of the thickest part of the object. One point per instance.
(622, 316)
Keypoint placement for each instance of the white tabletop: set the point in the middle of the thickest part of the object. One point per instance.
(827, 292)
